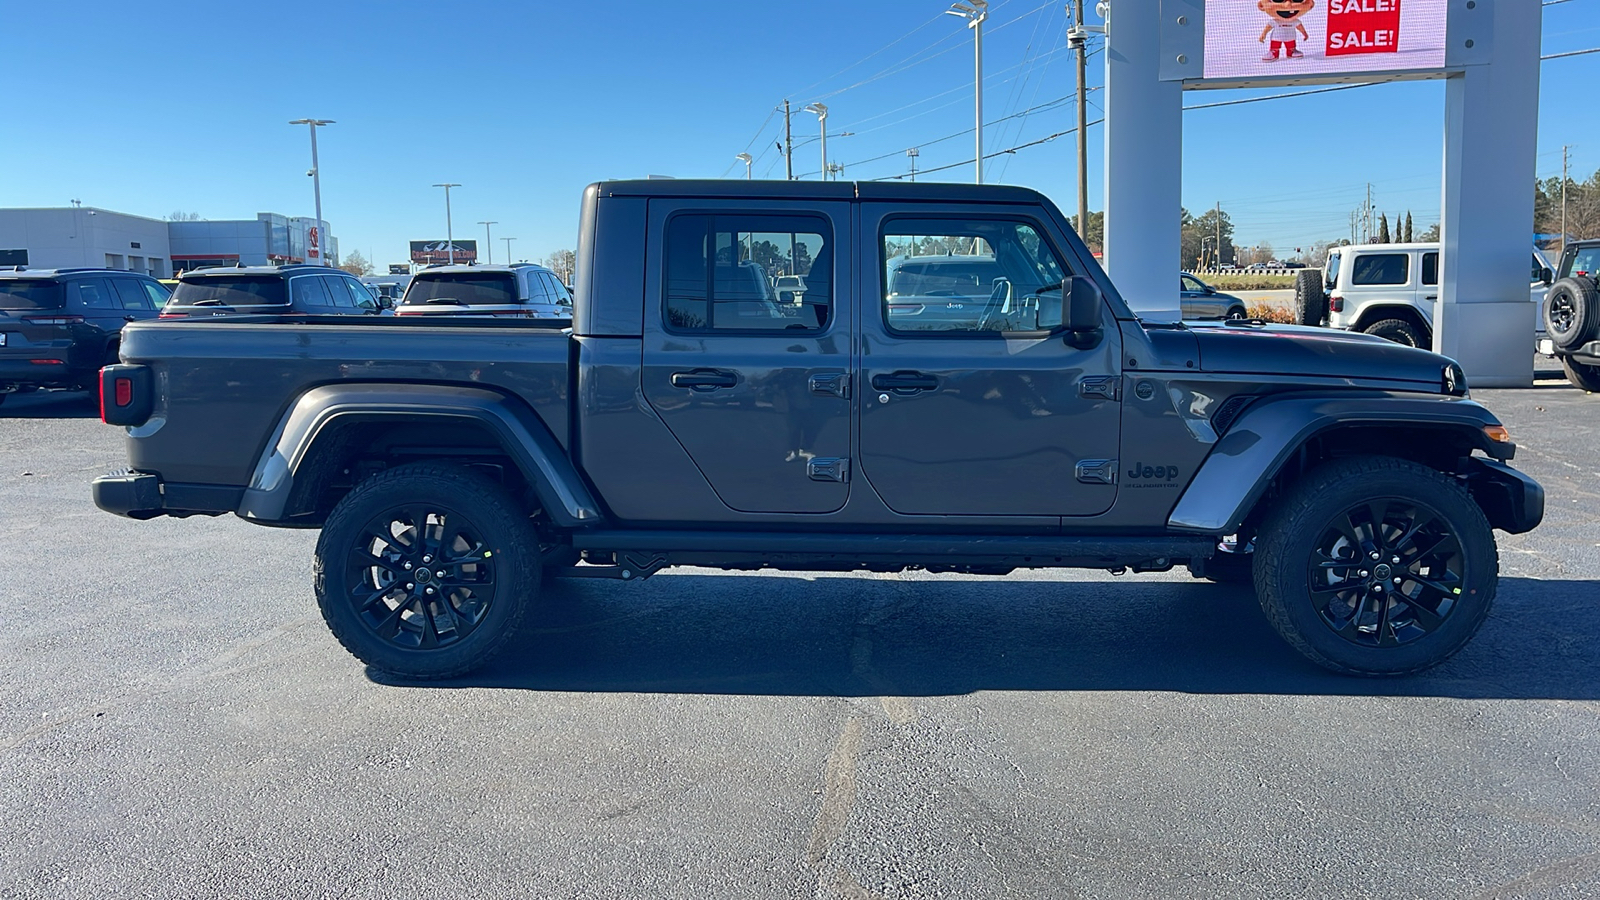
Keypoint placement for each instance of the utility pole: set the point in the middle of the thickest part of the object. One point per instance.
(488, 243)
(449, 234)
(1366, 217)
(1219, 234)
(788, 145)
(316, 176)
(821, 110)
(975, 14)
(1078, 39)
(508, 249)
(1563, 202)
(912, 155)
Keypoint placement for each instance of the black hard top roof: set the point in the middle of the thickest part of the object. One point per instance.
(296, 269)
(820, 190)
(25, 272)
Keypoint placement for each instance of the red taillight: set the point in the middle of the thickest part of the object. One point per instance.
(45, 362)
(53, 320)
(1336, 304)
(167, 315)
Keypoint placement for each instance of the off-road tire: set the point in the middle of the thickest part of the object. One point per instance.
(1398, 330)
(1287, 556)
(1582, 375)
(495, 537)
(1572, 312)
(1310, 302)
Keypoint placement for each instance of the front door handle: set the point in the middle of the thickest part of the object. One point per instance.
(129, 319)
(704, 379)
(904, 382)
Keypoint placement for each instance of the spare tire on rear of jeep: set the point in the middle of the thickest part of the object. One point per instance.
(1572, 312)
(1310, 303)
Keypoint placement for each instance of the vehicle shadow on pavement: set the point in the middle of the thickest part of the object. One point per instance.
(847, 636)
(51, 405)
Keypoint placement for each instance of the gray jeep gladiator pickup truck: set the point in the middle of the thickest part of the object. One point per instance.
(691, 415)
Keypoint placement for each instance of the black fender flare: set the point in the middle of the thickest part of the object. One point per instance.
(562, 493)
(1255, 448)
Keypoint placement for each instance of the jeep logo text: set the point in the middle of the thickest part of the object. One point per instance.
(1148, 473)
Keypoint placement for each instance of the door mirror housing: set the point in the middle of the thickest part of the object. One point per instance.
(1083, 309)
(1546, 276)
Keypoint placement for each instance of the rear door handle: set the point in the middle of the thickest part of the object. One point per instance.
(904, 382)
(1431, 297)
(704, 379)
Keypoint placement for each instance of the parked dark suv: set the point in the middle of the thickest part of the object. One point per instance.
(270, 290)
(59, 326)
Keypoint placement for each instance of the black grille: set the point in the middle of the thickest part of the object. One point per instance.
(1229, 411)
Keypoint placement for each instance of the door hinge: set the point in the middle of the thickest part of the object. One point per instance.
(1097, 471)
(828, 468)
(1103, 386)
(832, 384)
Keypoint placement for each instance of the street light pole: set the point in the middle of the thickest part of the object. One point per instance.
(912, 155)
(508, 249)
(745, 158)
(975, 14)
(822, 122)
(449, 234)
(488, 243)
(316, 176)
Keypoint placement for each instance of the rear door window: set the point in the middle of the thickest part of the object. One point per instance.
(719, 272)
(38, 294)
(91, 293)
(236, 290)
(131, 294)
(309, 292)
(1381, 268)
(466, 289)
(1430, 268)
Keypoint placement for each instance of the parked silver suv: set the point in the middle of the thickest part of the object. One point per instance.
(523, 290)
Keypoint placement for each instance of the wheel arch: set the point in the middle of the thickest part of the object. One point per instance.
(329, 433)
(1374, 313)
(1276, 441)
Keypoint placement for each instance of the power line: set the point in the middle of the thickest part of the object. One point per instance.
(1569, 52)
(968, 162)
(1342, 87)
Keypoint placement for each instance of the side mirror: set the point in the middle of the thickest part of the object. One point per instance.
(1210, 290)
(1084, 307)
(1546, 276)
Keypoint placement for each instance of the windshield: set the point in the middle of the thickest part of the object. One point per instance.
(30, 294)
(465, 289)
(233, 290)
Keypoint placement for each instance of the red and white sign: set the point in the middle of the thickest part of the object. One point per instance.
(311, 243)
(1289, 39)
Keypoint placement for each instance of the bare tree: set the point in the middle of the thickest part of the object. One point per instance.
(563, 263)
(356, 264)
(179, 215)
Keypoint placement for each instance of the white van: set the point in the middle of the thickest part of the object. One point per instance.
(1389, 289)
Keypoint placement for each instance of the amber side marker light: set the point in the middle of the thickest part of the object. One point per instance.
(1497, 433)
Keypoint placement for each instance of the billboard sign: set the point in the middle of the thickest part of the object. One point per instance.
(428, 253)
(1279, 39)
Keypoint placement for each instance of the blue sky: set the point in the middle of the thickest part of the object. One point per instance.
(156, 107)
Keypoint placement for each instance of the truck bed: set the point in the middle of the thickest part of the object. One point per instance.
(237, 376)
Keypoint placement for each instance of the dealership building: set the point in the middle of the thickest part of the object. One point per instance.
(85, 236)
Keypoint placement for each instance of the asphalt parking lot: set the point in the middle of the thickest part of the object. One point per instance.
(176, 721)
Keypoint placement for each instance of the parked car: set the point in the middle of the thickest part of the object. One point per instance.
(522, 290)
(59, 326)
(1572, 315)
(452, 464)
(1202, 301)
(935, 292)
(270, 290)
(1389, 290)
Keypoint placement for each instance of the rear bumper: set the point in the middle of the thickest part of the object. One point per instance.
(141, 495)
(21, 371)
(1512, 501)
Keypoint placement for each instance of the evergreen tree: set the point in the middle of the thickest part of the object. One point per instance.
(1383, 228)
(1409, 233)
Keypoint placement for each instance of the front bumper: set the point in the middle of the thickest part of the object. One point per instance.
(141, 495)
(1512, 501)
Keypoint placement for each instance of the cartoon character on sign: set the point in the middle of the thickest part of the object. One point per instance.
(1285, 26)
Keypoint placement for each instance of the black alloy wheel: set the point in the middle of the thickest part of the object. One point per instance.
(1373, 565)
(1385, 572)
(425, 570)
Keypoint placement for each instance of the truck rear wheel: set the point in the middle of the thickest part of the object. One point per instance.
(1398, 330)
(1373, 565)
(426, 570)
(1582, 375)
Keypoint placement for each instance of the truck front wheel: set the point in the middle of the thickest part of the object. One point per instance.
(1373, 565)
(426, 570)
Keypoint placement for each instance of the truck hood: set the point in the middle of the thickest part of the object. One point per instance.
(1319, 352)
